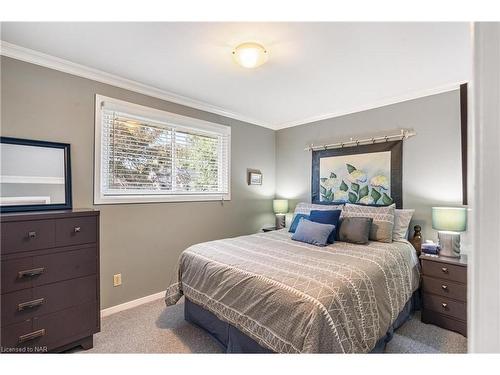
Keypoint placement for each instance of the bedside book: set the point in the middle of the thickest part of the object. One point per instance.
(430, 248)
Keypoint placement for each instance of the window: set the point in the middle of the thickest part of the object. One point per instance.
(146, 155)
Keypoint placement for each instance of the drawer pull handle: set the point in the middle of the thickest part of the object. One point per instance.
(444, 287)
(78, 229)
(444, 269)
(445, 305)
(30, 304)
(32, 335)
(30, 273)
(32, 235)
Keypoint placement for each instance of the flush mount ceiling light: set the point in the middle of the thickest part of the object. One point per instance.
(250, 55)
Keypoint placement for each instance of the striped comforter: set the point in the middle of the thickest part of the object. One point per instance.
(292, 297)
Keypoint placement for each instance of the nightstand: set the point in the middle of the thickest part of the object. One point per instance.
(444, 292)
(268, 229)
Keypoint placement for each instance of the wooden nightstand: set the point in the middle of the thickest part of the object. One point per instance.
(268, 229)
(444, 292)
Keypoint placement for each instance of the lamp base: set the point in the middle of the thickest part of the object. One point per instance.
(449, 243)
(280, 221)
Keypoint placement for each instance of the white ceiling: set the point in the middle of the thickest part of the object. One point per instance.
(315, 70)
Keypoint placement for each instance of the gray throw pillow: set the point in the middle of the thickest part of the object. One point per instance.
(355, 229)
(383, 219)
(311, 232)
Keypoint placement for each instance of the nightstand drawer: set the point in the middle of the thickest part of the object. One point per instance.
(443, 321)
(444, 288)
(445, 271)
(445, 306)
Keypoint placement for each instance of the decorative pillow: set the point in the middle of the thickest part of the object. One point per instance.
(326, 217)
(305, 208)
(296, 220)
(383, 219)
(355, 229)
(402, 220)
(314, 233)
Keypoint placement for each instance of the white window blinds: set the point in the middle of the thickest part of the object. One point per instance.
(159, 158)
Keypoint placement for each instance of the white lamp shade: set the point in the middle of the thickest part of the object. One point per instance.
(280, 206)
(453, 219)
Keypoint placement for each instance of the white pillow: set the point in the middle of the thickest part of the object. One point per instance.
(306, 208)
(402, 220)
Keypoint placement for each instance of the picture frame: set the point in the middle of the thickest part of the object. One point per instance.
(373, 176)
(254, 177)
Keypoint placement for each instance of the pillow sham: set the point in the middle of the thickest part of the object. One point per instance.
(295, 222)
(402, 218)
(327, 217)
(355, 230)
(306, 208)
(383, 219)
(313, 233)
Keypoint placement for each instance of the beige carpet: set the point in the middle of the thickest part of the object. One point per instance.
(154, 328)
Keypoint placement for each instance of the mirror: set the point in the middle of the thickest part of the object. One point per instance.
(34, 175)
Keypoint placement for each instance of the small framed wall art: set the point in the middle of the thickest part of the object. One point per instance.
(254, 177)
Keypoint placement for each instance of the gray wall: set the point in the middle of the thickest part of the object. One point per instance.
(431, 160)
(141, 241)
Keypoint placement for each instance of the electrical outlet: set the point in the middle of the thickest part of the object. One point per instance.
(117, 279)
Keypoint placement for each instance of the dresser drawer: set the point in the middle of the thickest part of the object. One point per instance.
(44, 269)
(27, 235)
(444, 288)
(11, 336)
(445, 306)
(67, 265)
(10, 274)
(76, 231)
(28, 303)
(444, 271)
(52, 330)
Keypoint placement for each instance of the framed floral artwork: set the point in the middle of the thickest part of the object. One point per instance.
(368, 174)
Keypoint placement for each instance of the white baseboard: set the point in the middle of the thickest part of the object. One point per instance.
(130, 304)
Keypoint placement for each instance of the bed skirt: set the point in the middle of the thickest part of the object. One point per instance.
(232, 340)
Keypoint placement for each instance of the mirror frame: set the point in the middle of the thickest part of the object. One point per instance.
(68, 204)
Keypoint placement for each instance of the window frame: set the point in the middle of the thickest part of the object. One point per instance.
(177, 121)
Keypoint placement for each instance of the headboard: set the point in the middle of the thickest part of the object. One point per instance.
(416, 240)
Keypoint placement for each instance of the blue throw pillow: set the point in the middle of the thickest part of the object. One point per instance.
(327, 217)
(296, 220)
(313, 233)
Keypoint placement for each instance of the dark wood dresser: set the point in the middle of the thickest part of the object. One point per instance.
(444, 292)
(50, 280)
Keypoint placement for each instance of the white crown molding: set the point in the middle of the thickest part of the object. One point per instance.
(38, 58)
(380, 103)
(56, 63)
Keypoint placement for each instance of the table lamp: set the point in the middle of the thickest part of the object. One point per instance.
(280, 207)
(449, 221)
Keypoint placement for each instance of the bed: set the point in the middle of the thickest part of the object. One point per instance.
(267, 293)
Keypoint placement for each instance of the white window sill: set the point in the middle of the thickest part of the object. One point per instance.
(123, 199)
